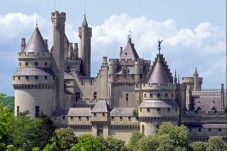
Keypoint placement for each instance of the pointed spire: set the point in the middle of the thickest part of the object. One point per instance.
(36, 43)
(85, 21)
(195, 73)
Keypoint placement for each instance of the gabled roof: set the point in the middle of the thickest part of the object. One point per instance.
(101, 106)
(72, 112)
(160, 72)
(36, 43)
(129, 51)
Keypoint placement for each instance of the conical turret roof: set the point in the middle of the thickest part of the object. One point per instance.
(36, 43)
(129, 51)
(85, 21)
(160, 74)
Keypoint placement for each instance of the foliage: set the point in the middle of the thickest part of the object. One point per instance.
(148, 143)
(165, 143)
(133, 142)
(179, 134)
(51, 147)
(135, 113)
(2, 95)
(6, 124)
(87, 143)
(199, 146)
(46, 131)
(35, 149)
(25, 132)
(215, 143)
(9, 102)
(64, 138)
(112, 144)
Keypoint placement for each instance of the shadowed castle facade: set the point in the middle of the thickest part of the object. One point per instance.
(128, 94)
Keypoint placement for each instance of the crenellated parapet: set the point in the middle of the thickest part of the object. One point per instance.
(33, 55)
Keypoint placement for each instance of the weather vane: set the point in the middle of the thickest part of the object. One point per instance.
(159, 45)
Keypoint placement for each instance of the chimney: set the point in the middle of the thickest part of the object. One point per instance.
(23, 44)
(46, 42)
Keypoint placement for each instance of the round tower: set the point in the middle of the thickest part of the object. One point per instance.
(138, 70)
(34, 82)
(112, 70)
(85, 34)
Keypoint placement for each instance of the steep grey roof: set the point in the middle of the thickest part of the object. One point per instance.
(33, 72)
(159, 104)
(207, 103)
(101, 106)
(85, 21)
(36, 43)
(159, 74)
(72, 112)
(129, 51)
(122, 112)
(67, 76)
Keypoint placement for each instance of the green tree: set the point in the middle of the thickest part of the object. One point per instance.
(133, 142)
(2, 95)
(46, 131)
(87, 143)
(148, 143)
(64, 138)
(112, 144)
(199, 146)
(215, 143)
(25, 132)
(6, 118)
(179, 134)
(165, 143)
(51, 147)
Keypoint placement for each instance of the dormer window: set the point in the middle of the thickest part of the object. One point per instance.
(26, 63)
(36, 63)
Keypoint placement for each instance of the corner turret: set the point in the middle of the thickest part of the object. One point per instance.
(85, 34)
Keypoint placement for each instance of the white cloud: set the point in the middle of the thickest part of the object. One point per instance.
(184, 48)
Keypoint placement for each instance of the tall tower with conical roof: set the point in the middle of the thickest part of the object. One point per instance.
(58, 27)
(34, 81)
(85, 34)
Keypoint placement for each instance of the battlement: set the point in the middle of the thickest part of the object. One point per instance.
(157, 86)
(34, 55)
(57, 15)
(69, 59)
(129, 61)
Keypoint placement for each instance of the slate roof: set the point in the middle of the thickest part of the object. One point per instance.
(159, 104)
(72, 112)
(129, 51)
(122, 112)
(85, 21)
(33, 72)
(101, 106)
(36, 43)
(207, 103)
(159, 74)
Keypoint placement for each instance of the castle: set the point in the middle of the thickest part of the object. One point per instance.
(128, 94)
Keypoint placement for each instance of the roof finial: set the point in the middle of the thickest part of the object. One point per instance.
(129, 35)
(159, 45)
(85, 7)
(178, 79)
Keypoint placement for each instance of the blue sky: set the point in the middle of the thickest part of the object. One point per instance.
(194, 32)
